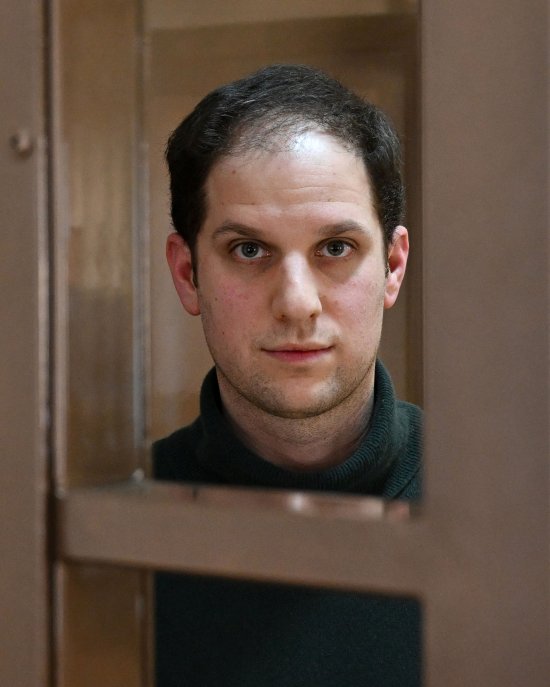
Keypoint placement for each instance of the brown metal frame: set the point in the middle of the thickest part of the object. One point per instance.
(24, 380)
(478, 553)
(334, 541)
(485, 189)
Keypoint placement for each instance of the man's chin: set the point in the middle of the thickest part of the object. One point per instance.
(300, 406)
(291, 399)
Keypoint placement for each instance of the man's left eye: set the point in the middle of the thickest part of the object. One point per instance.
(336, 248)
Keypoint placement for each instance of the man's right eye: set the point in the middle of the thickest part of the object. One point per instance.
(249, 250)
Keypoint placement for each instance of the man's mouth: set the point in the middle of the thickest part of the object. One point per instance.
(298, 353)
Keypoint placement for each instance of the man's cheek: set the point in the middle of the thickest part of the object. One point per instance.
(235, 296)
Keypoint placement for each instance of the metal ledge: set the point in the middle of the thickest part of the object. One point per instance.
(346, 542)
(164, 14)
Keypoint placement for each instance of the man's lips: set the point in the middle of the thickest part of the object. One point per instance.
(298, 352)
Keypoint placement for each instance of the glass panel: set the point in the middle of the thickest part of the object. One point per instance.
(240, 634)
(97, 112)
(99, 261)
(217, 631)
(213, 631)
(376, 56)
(101, 627)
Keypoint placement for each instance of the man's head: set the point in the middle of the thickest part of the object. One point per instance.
(260, 112)
(286, 194)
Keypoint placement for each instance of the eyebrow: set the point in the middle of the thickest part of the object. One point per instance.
(326, 230)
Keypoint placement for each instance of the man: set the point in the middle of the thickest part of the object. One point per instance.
(287, 200)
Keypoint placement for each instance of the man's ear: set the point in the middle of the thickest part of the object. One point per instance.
(398, 252)
(180, 261)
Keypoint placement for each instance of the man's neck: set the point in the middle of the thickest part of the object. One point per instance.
(301, 445)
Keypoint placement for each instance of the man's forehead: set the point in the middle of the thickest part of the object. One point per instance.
(313, 179)
(315, 185)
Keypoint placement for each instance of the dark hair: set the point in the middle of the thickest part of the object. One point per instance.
(260, 110)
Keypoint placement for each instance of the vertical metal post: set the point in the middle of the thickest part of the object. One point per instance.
(485, 178)
(24, 613)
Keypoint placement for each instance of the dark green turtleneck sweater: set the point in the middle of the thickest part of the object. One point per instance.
(222, 633)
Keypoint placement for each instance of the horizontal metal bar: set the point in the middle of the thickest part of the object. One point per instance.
(173, 15)
(293, 537)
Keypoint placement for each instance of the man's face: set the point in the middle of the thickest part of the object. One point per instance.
(291, 276)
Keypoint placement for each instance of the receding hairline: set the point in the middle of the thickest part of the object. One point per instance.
(275, 132)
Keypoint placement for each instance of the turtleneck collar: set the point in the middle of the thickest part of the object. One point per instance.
(365, 471)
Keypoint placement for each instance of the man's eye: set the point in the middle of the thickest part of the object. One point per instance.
(336, 248)
(249, 250)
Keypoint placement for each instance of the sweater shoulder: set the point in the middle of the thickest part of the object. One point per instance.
(414, 414)
(406, 480)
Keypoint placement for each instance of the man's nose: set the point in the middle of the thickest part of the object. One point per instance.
(296, 291)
